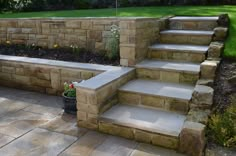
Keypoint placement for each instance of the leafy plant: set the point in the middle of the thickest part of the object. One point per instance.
(69, 90)
(113, 43)
(222, 127)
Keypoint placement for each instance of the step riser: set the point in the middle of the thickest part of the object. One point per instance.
(167, 76)
(172, 55)
(186, 39)
(164, 103)
(139, 135)
(192, 25)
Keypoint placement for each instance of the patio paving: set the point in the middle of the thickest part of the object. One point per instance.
(35, 124)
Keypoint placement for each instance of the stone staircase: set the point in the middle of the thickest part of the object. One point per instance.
(153, 107)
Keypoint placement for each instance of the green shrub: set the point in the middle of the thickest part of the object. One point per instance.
(81, 4)
(222, 127)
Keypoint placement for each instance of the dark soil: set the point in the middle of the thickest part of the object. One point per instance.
(225, 87)
(63, 54)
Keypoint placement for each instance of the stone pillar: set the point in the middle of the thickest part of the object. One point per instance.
(136, 35)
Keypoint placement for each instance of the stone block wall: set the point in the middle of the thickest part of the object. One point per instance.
(89, 33)
(41, 78)
(136, 34)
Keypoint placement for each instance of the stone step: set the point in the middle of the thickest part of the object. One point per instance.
(193, 23)
(195, 37)
(155, 94)
(143, 124)
(184, 53)
(168, 71)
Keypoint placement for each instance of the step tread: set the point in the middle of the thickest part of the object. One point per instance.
(195, 18)
(157, 88)
(157, 121)
(170, 66)
(187, 32)
(181, 48)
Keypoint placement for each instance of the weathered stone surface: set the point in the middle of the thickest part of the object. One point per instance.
(202, 96)
(220, 33)
(192, 139)
(165, 141)
(4, 139)
(215, 49)
(39, 142)
(206, 82)
(143, 136)
(199, 116)
(208, 69)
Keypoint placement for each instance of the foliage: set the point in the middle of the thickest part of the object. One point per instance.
(222, 127)
(69, 90)
(113, 43)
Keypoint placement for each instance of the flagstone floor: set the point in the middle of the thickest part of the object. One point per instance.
(33, 124)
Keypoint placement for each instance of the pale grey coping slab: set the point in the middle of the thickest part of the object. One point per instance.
(187, 32)
(170, 66)
(181, 48)
(195, 18)
(157, 88)
(105, 78)
(56, 63)
(152, 120)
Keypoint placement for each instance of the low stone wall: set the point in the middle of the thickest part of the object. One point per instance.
(136, 33)
(46, 76)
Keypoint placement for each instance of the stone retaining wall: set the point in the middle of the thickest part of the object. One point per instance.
(46, 76)
(136, 33)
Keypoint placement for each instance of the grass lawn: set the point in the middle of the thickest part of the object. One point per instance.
(230, 50)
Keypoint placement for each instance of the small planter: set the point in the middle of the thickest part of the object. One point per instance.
(69, 104)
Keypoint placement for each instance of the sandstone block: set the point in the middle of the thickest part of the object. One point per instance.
(199, 116)
(143, 136)
(55, 79)
(165, 141)
(220, 33)
(208, 69)
(205, 82)
(81, 116)
(192, 139)
(203, 96)
(6, 69)
(20, 71)
(116, 130)
(215, 49)
(40, 82)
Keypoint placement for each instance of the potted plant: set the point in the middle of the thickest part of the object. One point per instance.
(69, 98)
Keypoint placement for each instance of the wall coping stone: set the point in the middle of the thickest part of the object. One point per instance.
(64, 64)
(105, 78)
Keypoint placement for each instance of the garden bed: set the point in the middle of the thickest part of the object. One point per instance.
(64, 54)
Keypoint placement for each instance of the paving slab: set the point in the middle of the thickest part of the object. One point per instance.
(97, 144)
(147, 119)
(21, 122)
(8, 106)
(156, 88)
(38, 142)
(180, 48)
(4, 139)
(170, 66)
(66, 124)
(86, 145)
(149, 150)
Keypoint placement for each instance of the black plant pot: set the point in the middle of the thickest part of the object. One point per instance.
(69, 104)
